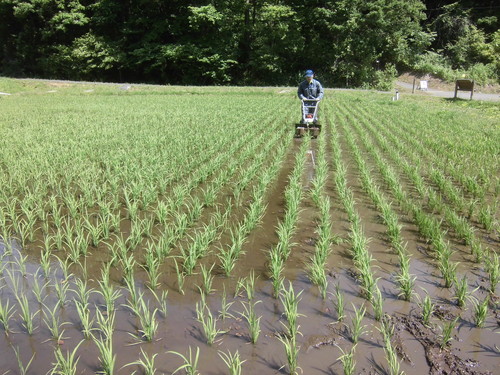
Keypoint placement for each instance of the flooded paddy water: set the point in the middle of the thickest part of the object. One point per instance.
(108, 311)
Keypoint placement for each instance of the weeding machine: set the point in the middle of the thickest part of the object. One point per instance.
(308, 125)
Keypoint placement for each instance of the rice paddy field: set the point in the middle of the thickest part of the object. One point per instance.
(161, 230)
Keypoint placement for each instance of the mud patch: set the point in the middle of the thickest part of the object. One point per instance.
(441, 361)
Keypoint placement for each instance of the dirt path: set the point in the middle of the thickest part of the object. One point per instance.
(407, 87)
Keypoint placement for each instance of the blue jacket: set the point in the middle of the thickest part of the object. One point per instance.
(312, 90)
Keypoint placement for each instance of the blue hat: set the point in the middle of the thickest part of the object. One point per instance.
(309, 73)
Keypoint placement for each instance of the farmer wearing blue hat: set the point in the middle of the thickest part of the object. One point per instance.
(310, 89)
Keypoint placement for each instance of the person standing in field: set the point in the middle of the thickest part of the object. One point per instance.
(310, 88)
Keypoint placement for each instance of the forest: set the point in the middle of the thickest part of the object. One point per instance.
(348, 43)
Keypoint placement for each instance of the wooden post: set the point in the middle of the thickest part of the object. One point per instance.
(414, 80)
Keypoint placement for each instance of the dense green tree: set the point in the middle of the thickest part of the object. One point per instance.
(257, 42)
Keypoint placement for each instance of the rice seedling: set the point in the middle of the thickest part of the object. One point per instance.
(37, 288)
(61, 288)
(23, 368)
(292, 353)
(190, 365)
(20, 261)
(51, 320)
(208, 322)
(107, 290)
(378, 304)
(405, 280)
(357, 329)
(493, 270)
(249, 285)
(26, 315)
(447, 332)
(317, 275)
(162, 302)
(232, 361)
(461, 292)
(252, 320)
(339, 304)
(225, 305)
(347, 359)
(480, 311)
(427, 309)
(83, 311)
(104, 342)
(180, 278)
(147, 319)
(207, 278)
(290, 301)
(147, 363)
(6, 314)
(277, 267)
(65, 364)
(152, 268)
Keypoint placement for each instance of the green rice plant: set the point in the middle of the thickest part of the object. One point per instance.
(405, 280)
(23, 368)
(477, 251)
(189, 260)
(83, 311)
(147, 363)
(208, 322)
(480, 311)
(276, 268)
(339, 304)
(461, 292)
(487, 217)
(493, 270)
(37, 288)
(26, 315)
(20, 260)
(128, 263)
(249, 285)
(252, 320)
(447, 332)
(347, 359)
(107, 290)
(292, 353)
(357, 329)
(162, 302)
(147, 319)
(317, 274)
(387, 330)
(64, 265)
(232, 361)
(190, 365)
(51, 320)
(6, 314)
(208, 278)
(290, 301)
(61, 288)
(180, 278)
(427, 309)
(378, 304)
(104, 342)
(225, 305)
(65, 364)
(152, 268)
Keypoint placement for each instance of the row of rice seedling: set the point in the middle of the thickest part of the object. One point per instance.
(318, 261)
(479, 187)
(425, 222)
(286, 227)
(404, 279)
(460, 226)
(464, 145)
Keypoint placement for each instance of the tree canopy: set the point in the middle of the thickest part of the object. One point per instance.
(251, 42)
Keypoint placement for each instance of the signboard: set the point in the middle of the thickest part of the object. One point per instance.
(464, 85)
